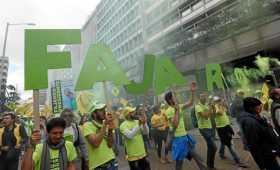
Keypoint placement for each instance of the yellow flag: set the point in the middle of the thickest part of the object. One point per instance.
(46, 111)
(265, 93)
(25, 109)
(84, 101)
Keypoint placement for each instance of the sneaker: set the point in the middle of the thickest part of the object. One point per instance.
(243, 165)
(167, 160)
(162, 161)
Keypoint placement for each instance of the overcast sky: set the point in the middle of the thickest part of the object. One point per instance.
(46, 14)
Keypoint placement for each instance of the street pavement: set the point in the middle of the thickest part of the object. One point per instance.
(227, 164)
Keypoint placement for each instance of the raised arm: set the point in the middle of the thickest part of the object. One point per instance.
(27, 162)
(175, 120)
(190, 102)
(96, 139)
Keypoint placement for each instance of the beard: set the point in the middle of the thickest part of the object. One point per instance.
(98, 118)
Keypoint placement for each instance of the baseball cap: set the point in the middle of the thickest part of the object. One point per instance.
(97, 105)
(128, 110)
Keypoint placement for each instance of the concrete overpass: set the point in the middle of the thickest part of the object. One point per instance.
(263, 37)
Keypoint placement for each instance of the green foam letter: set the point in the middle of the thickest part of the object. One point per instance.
(214, 76)
(142, 88)
(100, 65)
(241, 78)
(36, 58)
(166, 75)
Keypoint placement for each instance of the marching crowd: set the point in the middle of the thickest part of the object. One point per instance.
(62, 143)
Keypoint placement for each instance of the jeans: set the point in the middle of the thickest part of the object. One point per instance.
(147, 142)
(232, 152)
(111, 165)
(118, 137)
(141, 164)
(160, 137)
(209, 136)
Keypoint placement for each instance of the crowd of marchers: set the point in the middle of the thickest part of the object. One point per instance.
(93, 142)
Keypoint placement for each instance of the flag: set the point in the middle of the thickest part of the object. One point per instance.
(265, 93)
(84, 101)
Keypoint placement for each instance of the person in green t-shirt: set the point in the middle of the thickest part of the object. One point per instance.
(99, 138)
(73, 133)
(225, 131)
(54, 153)
(132, 129)
(183, 144)
(203, 114)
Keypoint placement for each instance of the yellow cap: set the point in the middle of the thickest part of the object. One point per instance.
(127, 110)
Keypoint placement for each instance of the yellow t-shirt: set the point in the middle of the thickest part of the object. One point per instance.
(203, 123)
(54, 155)
(163, 112)
(221, 120)
(180, 130)
(160, 121)
(102, 154)
(135, 148)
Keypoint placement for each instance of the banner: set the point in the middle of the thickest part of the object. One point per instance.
(63, 96)
(56, 97)
(68, 95)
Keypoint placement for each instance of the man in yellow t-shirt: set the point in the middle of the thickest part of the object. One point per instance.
(159, 122)
(54, 153)
(99, 138)
(132, 129)
(203, 114)
(225, 131)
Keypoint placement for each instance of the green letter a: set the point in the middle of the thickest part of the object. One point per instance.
(166, 75)
(100, 65)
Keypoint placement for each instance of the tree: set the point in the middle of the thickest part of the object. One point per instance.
(9, 97)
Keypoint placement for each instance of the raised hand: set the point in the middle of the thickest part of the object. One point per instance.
(110, 121)
(193, 86)
(36, 137)
(142, 119)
